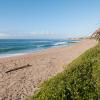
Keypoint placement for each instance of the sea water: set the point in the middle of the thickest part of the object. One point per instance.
(9, 47)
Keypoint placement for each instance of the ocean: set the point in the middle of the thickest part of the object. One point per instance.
(10, 47)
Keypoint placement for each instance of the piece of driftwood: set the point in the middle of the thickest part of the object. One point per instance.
(14, 69)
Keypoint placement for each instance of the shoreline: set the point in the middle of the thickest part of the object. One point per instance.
(19, 84)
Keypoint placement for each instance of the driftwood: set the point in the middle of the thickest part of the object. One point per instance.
(28, 65)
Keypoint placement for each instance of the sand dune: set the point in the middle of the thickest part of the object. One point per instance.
(20, 83)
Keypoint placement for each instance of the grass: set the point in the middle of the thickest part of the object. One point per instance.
(79, 81)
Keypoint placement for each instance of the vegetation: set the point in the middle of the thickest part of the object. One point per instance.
(96, 35)
(79, 81)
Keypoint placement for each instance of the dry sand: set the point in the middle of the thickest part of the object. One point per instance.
(21, 83)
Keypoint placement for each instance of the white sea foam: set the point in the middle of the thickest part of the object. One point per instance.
(11, 55)
(59, 43)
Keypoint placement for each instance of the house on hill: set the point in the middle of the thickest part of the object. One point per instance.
(96, 35)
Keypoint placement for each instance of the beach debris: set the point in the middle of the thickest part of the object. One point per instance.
(22, 67)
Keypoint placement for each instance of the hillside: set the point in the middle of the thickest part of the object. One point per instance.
(80, 81)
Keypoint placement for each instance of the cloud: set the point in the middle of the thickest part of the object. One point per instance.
(42, 33)
(76, 35)
(3, 35)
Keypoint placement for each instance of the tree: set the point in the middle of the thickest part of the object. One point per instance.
(96, 35)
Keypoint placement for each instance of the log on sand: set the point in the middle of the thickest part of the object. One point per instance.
(22, 67)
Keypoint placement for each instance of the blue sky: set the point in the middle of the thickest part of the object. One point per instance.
(48, 18)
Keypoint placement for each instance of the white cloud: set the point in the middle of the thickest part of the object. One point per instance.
(42, 33)
(3, 35)
(75, 35)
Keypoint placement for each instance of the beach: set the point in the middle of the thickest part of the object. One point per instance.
(21, 75)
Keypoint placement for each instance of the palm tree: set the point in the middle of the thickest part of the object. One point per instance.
(96, 35)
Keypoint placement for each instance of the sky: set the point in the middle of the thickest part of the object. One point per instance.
(44, 19)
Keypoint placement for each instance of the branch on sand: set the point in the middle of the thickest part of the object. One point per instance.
(22, 67)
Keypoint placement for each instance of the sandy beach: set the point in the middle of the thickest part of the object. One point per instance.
(32, 69)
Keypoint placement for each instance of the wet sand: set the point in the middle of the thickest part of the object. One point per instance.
(21, 75)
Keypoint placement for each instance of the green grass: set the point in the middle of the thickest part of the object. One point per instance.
(79, 81)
